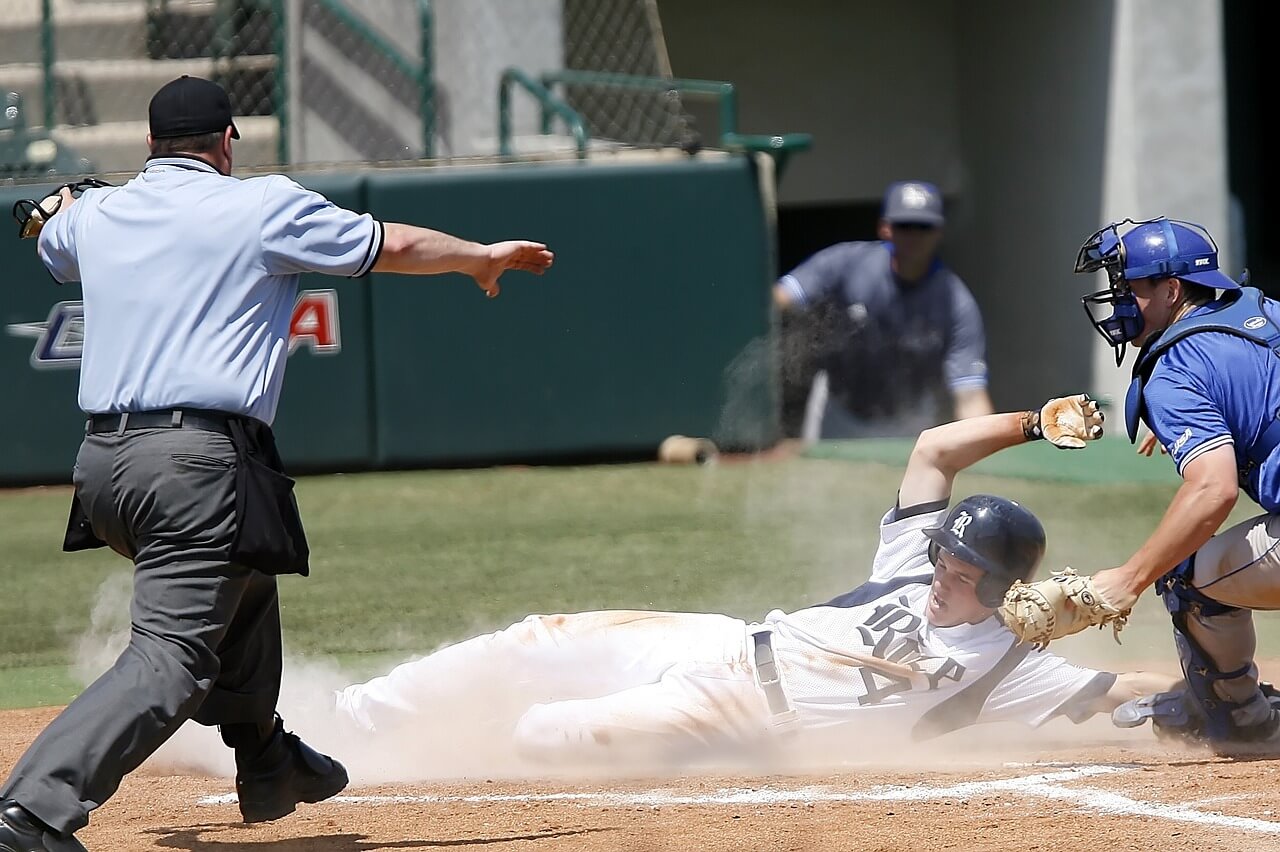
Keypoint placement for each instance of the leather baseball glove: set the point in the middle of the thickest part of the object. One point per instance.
(1064, 604)
(32, 214)
(1066, 422)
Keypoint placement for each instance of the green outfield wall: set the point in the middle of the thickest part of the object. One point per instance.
(654, 320)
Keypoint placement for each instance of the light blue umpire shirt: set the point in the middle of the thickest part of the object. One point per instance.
(189, 280)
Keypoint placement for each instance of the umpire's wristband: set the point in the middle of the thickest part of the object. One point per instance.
(1031, 426)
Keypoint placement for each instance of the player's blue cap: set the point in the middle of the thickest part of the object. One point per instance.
(913, 202)
(189, 106)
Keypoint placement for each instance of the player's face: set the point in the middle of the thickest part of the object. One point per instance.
(953, 596)
(1157, 301)
(914, 247)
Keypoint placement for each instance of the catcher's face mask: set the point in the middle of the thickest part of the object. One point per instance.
(1151, 249)
(31, 214)
(1123, 321)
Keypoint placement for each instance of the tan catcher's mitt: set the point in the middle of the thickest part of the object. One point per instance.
(1064, 604)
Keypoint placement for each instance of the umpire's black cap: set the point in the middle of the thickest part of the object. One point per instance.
(189, 106)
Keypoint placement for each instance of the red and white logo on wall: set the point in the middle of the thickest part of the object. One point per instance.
(60, 338)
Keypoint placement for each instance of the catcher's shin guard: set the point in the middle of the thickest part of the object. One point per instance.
(1222, 719)
(1174, 714)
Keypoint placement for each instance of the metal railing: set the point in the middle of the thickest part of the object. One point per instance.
(549, 104)
(47, 59)
(780, 147)
(220, 49)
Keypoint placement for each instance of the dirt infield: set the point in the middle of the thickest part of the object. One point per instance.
(1098, 789)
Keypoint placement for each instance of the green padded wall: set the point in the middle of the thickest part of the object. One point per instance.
(653, 321)
(661, 281)
(41, 426)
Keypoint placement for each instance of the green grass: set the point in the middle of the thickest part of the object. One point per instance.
(403, 562)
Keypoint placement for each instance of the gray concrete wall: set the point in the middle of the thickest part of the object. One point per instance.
(1166, 146)
(873, 82)
(1033, 127)
(474, 41)
(471, 41)
(1041, 122)
(343, 105)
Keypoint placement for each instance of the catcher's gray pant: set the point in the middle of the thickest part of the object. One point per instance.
(1239, 567)
(205, 637)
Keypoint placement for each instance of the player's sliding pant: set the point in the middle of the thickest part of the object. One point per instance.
(1210, 597)
(588, 686)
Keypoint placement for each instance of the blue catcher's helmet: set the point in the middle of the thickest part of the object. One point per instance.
(1001, 537)
(1161, 248)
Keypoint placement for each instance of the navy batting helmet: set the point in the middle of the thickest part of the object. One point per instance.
(1153, 248)
(997, 535)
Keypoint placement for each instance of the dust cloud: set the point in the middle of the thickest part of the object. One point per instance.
(469, 736)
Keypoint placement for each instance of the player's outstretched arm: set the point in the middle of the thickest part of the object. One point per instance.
(943, 451)
(411, 250)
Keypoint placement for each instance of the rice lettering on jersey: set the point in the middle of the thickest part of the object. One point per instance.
(891, 633)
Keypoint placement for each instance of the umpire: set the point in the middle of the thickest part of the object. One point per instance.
(189, 278)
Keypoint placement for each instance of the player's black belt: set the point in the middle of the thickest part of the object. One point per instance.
(767, 673)
(169, 418)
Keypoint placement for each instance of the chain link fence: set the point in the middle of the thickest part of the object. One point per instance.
(333, 80)
(623, 37)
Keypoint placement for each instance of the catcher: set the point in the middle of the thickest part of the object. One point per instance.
(914, 649)
(1206, 381)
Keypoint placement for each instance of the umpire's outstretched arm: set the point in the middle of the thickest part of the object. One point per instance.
(411, 250)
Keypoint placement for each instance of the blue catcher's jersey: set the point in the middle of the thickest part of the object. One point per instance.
(1214, 388)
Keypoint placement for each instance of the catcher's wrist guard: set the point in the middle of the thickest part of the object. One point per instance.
(1031, 426)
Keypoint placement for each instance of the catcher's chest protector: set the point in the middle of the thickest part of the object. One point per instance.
(1242, 315)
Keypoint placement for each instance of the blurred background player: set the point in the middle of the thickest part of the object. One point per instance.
(915, 651)
(901, 345)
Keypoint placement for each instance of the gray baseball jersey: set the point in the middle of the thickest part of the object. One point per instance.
(901, 346)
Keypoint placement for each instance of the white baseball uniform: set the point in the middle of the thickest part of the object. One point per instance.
(600, 685)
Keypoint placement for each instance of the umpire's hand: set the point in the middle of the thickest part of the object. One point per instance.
(512, 254)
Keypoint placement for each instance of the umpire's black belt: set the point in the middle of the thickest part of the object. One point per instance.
(168, 418)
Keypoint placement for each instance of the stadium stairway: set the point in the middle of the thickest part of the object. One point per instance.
(112, 55)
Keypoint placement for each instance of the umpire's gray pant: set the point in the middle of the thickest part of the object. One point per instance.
(205, 640)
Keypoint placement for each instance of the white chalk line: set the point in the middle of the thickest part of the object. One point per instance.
(1044, 785)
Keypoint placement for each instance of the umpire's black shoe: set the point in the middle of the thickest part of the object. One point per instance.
(20, 831)
(287, 772)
